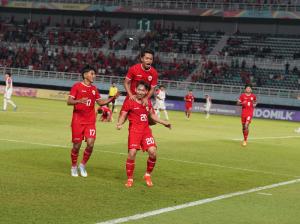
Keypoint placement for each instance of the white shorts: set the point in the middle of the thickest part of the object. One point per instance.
(207, 107)
(159, 105)
(8, 94)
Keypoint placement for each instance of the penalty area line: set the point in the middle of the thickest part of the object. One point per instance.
(196, 203)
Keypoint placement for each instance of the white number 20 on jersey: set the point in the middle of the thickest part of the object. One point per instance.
(149, 141)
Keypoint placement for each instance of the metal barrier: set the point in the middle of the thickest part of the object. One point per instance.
(171, 85)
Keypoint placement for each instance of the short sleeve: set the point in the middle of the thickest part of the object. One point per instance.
(73, 92)
(154, 80)
(241, 99)
(126, 106)
(130, 73)
(97, 96)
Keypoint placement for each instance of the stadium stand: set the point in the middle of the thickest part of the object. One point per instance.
(263, 46)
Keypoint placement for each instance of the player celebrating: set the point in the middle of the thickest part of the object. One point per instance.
(106, 114)
(189, 100)
(160, 102)
(141, 71)
(140, 134)
(8, 92)
(207, 105)
(83, 96)
(248, 102)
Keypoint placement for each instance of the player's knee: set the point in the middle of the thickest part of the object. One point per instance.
(76, 146)
(152, 152)
(131, 154)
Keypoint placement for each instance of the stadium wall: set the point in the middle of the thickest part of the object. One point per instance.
(233, 110)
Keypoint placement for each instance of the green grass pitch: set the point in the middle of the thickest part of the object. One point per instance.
(197, 159)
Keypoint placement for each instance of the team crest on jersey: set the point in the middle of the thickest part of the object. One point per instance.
(94, 92)
(149, 78)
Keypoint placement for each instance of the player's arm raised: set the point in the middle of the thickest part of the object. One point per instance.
(155, 118)
(121, 120)
(127, 88)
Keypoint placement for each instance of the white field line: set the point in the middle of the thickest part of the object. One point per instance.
(271, 137)
(196, 203)
(163, 158)
(262, 193)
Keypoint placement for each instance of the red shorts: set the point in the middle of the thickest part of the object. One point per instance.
(188, 106)
(142, 140)
(246, 118)
(82, 131)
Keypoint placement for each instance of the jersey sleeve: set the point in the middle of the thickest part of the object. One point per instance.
(73, 92)
(126, 106)
(97, 95)
(130, 74)
(154, 80)
(241, 98)
(254, 98)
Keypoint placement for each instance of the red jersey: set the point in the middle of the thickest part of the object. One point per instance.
(136, 73)
(84, 113)
(247, 102)
(137, 115)
(189, 99)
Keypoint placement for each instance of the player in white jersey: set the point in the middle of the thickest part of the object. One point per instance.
(8, 92)
(207, 105)
(297, 130)
(160, 102)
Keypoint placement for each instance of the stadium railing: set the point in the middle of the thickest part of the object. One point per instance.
(171, 85)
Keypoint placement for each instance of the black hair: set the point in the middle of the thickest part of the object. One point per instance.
(146, 51)
(248, 85)
(161, 86)
(147, 87)
(8, 73)
(87, 68)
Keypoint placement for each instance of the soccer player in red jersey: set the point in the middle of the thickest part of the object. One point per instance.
(83, 96)
(141, 71)
(189, 100)
(106, 114)
(248, 102)
(140, 135)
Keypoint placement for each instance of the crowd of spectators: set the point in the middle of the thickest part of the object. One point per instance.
(85, 34)
(177, 40)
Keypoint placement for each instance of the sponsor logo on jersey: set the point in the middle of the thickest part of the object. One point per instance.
(83, 91)
(138, 75)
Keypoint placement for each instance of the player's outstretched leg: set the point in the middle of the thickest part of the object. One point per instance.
(150, 165)
(130, 164)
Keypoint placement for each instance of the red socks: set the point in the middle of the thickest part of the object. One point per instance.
(245, 133)
(74, 157)
(129, 168)
(150, 165)
(86, 155)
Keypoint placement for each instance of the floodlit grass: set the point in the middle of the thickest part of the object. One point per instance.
(197, 159)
